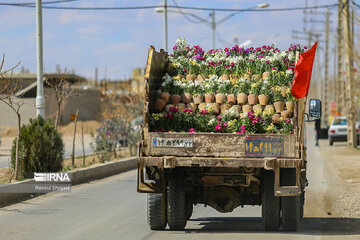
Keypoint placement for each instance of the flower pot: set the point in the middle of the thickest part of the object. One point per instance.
(236, 108)
(242, 115)
(247, 76)
(252, 99)
(220, 98)
(247, 108)
(190, 77)
(175, 99)
(270, 109)
(276, 118)
(279, 106)
(168, 106)
(198, 98)
(224, 77)
(285, 114)
(186, 98)
(258, 109)
(201, 78)
(256, 77)
(216, 108)
(242, 98)
(265, 75)
(181, 107)
(191, 106)
(283, 91)
(290, 106)
(165, 96)
(234, 79)
(263, 99)
(231, 99)
(159, 104)
(202, 107)
(224, 108)
(209, 98)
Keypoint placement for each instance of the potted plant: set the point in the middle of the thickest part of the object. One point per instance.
(243, 91)
(264, 96)
(188, 88)
(254, 92)
(177, 91)
(231, 99)
(194, 68)
(278, 99)
(289, 100)
(223, 89)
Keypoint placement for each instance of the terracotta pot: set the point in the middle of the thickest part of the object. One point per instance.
(257, 108)
(224, 108)
(198, 98)
(202, 106)
(168, 106)
(265, 75)
(234, 79)
(216, 107)
(242, 115)
(263, 99)
(224, 77)
(276, 118)
(236, 108)
(159, 104)
(290, 106)
(242, 98)
(279, 106)
(256, 77)
(252, 99)
(186, 98)
(209, 98)
(270, 109)
(190, 77)
(247, 76)
(285, 114)
(181, 107)
(220, 98)
(175, 99)
(191, 106)
(283, 91)
(231, 99)
(247, 108)
(201, 78)
(165, 96)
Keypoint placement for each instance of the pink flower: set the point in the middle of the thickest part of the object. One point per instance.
(251, 117)
(218, 128)
(258, 119)
(189, 111)
(232, 64)
(254, 122)
(175, 47)
(305, 47)
(185, 110)
(192, 130)
(225, 124)
(243, 128)
(162, 130)
(288, 120)
(219, 118)
(204, 112)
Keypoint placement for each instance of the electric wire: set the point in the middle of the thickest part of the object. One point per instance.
(188, 18)
(31, 3)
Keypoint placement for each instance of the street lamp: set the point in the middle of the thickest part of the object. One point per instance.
(212, 23)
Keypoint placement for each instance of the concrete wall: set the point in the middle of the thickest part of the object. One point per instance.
(8, 117)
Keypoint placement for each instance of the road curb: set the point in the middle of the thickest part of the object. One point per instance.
(7, 195)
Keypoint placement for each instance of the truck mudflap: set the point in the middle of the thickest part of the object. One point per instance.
(268, 163)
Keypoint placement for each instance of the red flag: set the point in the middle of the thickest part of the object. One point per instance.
(303, 69)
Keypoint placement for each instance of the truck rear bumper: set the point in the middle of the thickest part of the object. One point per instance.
(268, 163)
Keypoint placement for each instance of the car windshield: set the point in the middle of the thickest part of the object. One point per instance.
(340, 121)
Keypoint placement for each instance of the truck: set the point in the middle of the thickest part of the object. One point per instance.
(178, 170)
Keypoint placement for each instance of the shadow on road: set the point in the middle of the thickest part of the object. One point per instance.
(309, 226)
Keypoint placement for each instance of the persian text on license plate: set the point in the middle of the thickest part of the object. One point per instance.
(173, 142)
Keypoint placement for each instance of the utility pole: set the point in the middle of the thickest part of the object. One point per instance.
(213, 28)
(326, 79)
(165, 27)
(351, 133)
(40, 100)
(340, 79)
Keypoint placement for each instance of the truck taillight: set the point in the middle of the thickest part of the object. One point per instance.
(332, 131)
(357, 130)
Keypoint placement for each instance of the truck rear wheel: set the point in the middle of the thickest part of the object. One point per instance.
(156, 211)
(189, 207)
(176, 205)
(290, 206)
(270, 203)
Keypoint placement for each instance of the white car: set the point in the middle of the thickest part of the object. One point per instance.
(338, 130)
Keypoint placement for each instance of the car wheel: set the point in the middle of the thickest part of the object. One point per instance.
(331, 142)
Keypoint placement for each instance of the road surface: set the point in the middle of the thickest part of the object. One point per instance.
(111, 209)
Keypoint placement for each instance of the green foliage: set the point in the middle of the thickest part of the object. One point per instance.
(41, 148)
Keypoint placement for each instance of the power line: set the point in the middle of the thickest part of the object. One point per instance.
(189, 19)
(177, 7)
(31, 4)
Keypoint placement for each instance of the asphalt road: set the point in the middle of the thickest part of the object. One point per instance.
(111, 209)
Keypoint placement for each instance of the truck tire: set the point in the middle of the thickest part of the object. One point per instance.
(331, 142)
(270, 203)
(302, 203)
(156, 211)
(189, 207)
(290, 206)
(176, 206)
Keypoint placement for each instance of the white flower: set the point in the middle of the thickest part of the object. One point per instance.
(289, 72)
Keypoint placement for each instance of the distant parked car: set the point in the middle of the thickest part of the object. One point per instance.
(338, 130)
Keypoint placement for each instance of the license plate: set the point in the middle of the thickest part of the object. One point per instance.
(259, 147)
(173, 142)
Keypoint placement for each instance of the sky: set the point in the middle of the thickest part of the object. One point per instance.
(117, 41)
